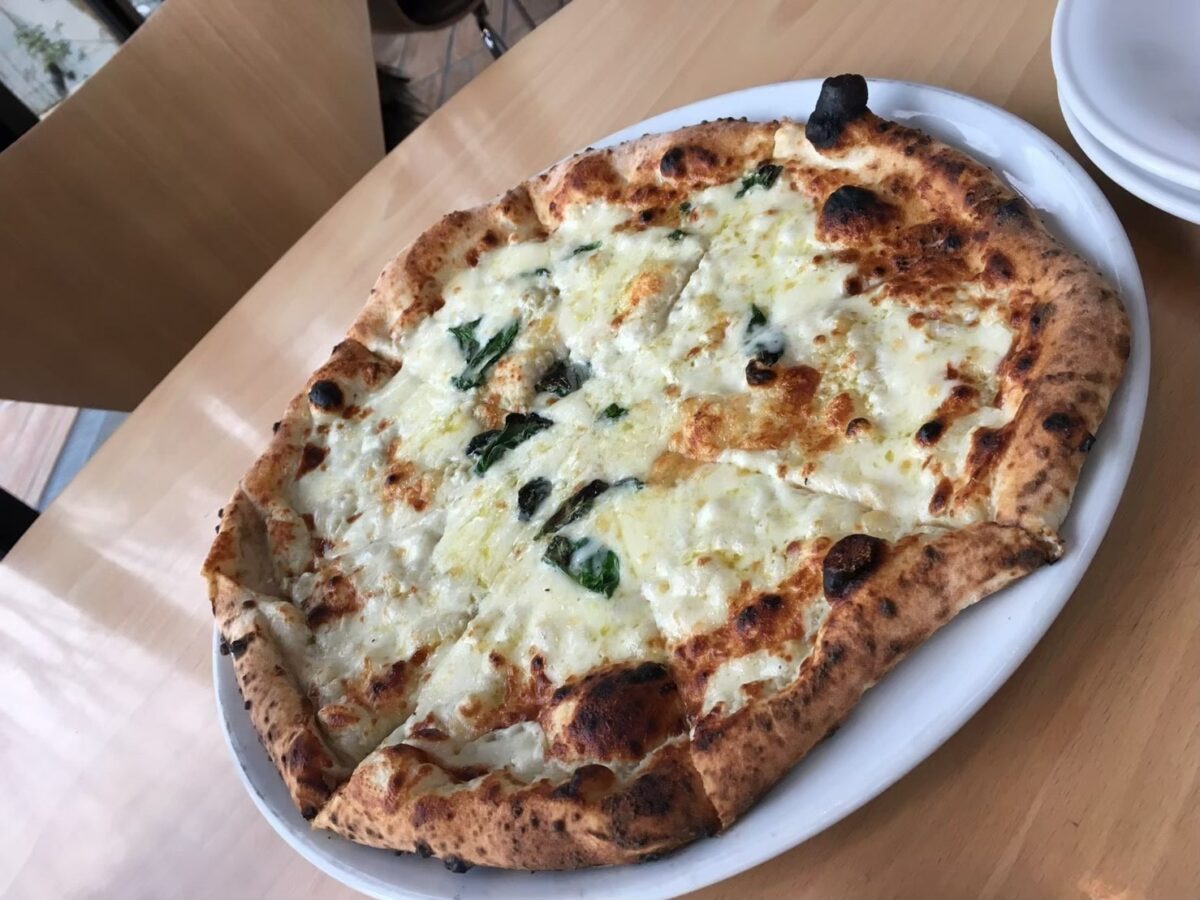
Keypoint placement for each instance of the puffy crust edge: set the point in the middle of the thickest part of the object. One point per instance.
(282, 715)
(920, 585)
(399, 798)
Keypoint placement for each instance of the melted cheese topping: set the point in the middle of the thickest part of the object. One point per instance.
(652, 316)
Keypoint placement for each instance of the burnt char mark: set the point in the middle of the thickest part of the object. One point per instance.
(687, 159)
(987, 445)
(619, 713)
(1065, 426)
(849, 562)
(1013, 210)
(843, 99)
(1027, 559)
(998, 269)
(332, 599)
(941, 497)
(929, 433)
(306, 759)
(586, 782)
(756, 615)
(326, 395)
(1059, 423)
(758, 374)
(852, 212)
(310, 458)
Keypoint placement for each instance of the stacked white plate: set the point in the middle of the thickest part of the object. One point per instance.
(1128, 76)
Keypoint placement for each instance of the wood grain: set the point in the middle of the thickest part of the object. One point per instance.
(1080, 778)
(154, 197)
(31, 436)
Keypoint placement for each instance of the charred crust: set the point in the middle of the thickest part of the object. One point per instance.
(1086, 444)
(887, 608)
(238, 647)
(929, 433)
(857, 426)
(1014, 210)
(758, 374)
(326, 395)
(1059, 423)
(456, 864)
(310, 458)
(423, 850)
(843, 99)
(308, 811)
(852, 212)
(688, 159)
(848, 563)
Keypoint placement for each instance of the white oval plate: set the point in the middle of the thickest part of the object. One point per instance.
(1166, 195)
(1131, 73)
(932, 693)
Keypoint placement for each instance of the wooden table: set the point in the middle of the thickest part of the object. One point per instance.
(1081, 777)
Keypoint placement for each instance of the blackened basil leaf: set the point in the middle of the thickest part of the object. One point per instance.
(564, 377)
(630, 481)
(532, 494)
(613, 411)
(677, 235)
(769, 349)
(482, 360)
(517, 429)
(539, 272)
(477, 444)
(588, 562)
(685, 206)
(574, 507)
(586, 248)
(559, 551)
(766, 347)
(465, 335)
(758, 319)
(764, 176)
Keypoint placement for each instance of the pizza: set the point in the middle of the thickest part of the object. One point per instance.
(624, 487)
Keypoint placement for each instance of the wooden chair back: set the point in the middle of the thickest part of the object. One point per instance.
(148, 203)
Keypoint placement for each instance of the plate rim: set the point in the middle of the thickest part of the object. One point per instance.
(1133, 392)
(1100, 125)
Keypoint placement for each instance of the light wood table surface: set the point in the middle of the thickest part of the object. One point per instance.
(1080, 778)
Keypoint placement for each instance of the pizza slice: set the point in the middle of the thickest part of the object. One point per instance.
(550, 735)
(780, 606)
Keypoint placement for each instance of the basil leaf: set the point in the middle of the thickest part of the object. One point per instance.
(677, 235)
(465, 335)
(764, 176)
(532, 495)
(586, 248)
(758, 319)
(564, 377)
(685, 206)
(766, 348)
(574, 507)
(539, 272)
(588, 562)
(480, 441)
(517, 429)
(612, 411)
(482, 360)
(630, 481)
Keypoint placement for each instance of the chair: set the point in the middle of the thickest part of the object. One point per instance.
(149, 201)
(432, 15)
